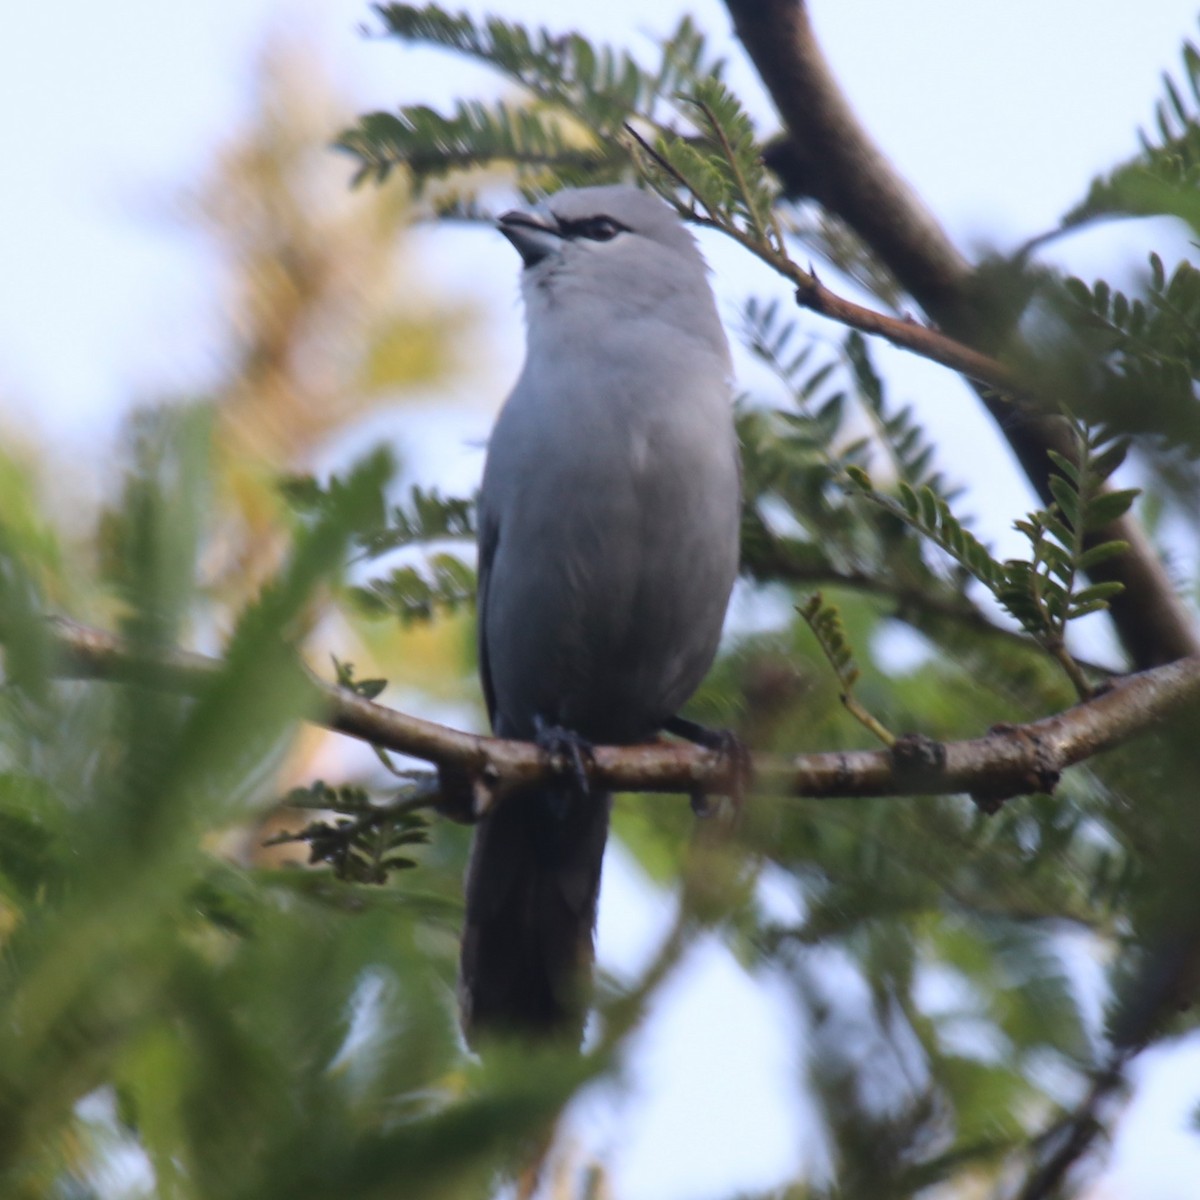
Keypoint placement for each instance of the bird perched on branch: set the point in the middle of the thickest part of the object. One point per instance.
(608, 547)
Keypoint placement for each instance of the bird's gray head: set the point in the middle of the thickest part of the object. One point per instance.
(613, 250)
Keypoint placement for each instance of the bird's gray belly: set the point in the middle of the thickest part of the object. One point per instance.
(612, 629)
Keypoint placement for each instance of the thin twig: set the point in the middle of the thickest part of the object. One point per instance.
(930, 343)
(812, 294)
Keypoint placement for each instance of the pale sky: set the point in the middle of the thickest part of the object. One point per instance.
(997, 113)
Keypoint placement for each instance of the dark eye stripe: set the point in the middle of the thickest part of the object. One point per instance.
(597, 229)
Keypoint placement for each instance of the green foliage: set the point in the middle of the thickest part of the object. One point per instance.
(413, 593)
(362, 843)
(580, 99)
(718, 168)
(1043, 592)
(1130, 358)
(1148, 349)
(583, 105)
(1165, 175)
(926, 900)
(826, 623)
(427, 517)
(602, 85)
(801, 523)
(312, 501)
(367, 688)
(822, 421)
(254, 1032)
(823, 619)
(432, 146)
(899, 433)
(444, 584)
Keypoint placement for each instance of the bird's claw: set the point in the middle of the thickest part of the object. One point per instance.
(568, 752)
(733, 756)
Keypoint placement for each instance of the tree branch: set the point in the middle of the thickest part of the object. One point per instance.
(905, 333)
(1008, 761)
(812, 294)
(1069, 1139)
(828, 155)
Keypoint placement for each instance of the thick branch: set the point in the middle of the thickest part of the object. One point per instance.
(828, 155)
(1008, 761)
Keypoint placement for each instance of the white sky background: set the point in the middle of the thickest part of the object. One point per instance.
(998, 114)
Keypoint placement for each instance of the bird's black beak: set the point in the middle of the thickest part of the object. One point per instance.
(533, 238)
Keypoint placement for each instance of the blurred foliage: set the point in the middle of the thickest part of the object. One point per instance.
(326, 320)
(181, 1015)
(245, 1025)
(1129, 357)
(582, 96)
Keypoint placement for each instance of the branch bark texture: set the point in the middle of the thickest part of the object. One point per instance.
(1008, 761)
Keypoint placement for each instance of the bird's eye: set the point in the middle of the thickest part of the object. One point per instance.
(595, 229)
(602, 229)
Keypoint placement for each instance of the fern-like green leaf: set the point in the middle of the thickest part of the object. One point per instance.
(427, 516)
(444, 584)
(826, 623)
(1166, 174)
(580, 98)
(432, 146)
(361, 840)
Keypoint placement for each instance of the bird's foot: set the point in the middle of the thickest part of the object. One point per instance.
(568, 753)
(733, 753)
(701, 735)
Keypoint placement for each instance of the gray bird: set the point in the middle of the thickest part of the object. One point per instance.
(608, 547)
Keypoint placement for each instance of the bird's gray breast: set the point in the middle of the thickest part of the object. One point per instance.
(611, 497)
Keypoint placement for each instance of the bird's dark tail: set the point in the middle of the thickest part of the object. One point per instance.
(528, 939)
